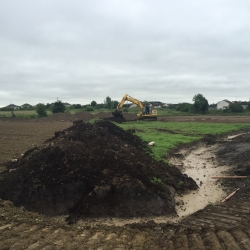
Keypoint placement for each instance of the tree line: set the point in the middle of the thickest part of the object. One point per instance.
(200, 105)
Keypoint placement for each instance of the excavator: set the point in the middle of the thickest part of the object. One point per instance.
(145, 111)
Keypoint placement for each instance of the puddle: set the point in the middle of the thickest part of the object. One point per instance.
(200, 164)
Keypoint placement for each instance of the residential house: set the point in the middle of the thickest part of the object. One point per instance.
(26, 106)
(165, 105)
(243, 104)
(133, 106)
(223, 104)
(66, 104)
(12, 106)
(212, 106)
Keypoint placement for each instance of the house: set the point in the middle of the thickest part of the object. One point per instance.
(223, 104)
(212, 106)
(12, 106)
(165, 105)
(26, 106)
(133, 106)
(67, 104)
(243, 104)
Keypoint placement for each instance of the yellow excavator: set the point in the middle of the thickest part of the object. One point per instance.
(145, 111)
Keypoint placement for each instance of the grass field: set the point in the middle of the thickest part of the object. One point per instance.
(168, 135)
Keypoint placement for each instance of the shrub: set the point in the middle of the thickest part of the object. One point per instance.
(89, 109)
(77, 106)
(57, 107)
(184, 107)
(41, 110)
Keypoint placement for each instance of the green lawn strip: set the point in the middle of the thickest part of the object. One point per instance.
(165, 142)
(168, 135)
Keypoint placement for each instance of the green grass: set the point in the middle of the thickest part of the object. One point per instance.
(168, 135)
(21, 114)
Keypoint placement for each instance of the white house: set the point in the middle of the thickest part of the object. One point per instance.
(66, 104)
(243, 104)
(133, 106)
(223, 104)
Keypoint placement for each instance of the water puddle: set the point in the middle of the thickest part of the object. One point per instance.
(200, 164)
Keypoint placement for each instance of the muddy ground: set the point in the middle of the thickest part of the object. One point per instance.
(218, 226)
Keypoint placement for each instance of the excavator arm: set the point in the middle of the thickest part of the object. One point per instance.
(131, 99)
(125, 98)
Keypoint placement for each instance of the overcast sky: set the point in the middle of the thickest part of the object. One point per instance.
(155, 50)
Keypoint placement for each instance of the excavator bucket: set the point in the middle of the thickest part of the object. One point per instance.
(117, 113)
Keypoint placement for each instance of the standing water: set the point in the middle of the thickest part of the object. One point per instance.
(200, 165)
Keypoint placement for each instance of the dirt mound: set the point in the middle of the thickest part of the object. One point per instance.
(235, 153)
(93, 170)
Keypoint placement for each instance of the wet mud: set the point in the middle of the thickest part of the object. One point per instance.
(228, 155)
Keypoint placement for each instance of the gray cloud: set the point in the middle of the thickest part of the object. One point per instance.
(81, 51)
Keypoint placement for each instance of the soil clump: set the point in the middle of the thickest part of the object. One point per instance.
(93, 170)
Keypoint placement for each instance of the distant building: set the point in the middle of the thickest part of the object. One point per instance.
(212, 106)
(133, 106)
(26, 106)
(67, 104)
(223, 104)
(12, 106)
(243, 104)
(165, 105)
(157, 107)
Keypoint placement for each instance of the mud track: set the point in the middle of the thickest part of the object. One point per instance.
(217, 226)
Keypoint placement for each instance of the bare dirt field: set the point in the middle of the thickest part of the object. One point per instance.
(207, 119)
(217, 226)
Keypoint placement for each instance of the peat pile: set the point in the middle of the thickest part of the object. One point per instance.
(93, 170)
(236, 153)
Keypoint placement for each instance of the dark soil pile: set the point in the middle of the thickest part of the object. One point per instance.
(93, 170)
(236, 153)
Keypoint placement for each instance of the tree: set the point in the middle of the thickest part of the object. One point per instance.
(235, 107)
(248, 106)
(89, 108)
(41, 110)
(184, 107)
(108, 102)
(115, 104)
(77, 106)
(93, 103)
(200, 104)
(48, 105)
(57, 107)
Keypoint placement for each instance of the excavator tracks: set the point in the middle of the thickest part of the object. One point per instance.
(222, 226)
